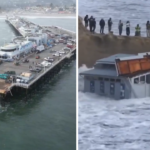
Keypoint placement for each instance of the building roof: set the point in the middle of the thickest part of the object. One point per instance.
(26, 74)
(100, 72)
(111, 59)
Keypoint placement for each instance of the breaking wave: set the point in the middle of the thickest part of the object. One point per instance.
(106, 124)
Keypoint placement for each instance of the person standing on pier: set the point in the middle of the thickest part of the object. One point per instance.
(109, 25)
(127, 28)
(86, 21)
(102, 25)
(120, 27)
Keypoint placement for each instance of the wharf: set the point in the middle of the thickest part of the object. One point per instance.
(46, 72)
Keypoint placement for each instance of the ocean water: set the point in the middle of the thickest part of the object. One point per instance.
(20, 3)
(106, 124)
(47, 121)
(137, 12)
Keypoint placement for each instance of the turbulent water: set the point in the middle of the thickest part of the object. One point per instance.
(137, 12)
(47, 121)
(106, 124)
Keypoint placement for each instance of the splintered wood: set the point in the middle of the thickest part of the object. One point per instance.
(128, 67)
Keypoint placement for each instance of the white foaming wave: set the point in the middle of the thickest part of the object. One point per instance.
(108, 124)
(80, 78)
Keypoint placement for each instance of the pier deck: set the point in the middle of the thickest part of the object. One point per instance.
(24, 67)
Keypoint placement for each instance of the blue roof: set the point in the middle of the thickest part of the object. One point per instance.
(100, 72)
(111, 59)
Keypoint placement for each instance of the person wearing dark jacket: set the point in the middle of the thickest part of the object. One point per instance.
(127, 28)
(86, 21)
(94, 25)
(120, 27)
(91, 23)
(102, 25)
(109, 25)
(148, 29)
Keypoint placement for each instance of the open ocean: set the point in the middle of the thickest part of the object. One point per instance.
(137, 12)
(106, 124)
(47, 121)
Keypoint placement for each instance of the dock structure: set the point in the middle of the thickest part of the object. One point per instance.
(61, 53)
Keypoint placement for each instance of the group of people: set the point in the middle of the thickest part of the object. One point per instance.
(91, 22)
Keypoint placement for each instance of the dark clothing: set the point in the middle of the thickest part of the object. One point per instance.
(102, 30)
(94, 25)
(120, 26)
(127, 31)
(109, 28)
(128, 28)
(120, 31)
(86, 21)
(91, 23)
(90, 20)
(86, 24)
(109, 25)
(90, 28)
(147, 25)
(102, 25)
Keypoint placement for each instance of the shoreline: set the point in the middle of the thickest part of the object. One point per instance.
(40, 15)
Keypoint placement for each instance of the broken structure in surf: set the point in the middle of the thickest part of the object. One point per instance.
(120, 76)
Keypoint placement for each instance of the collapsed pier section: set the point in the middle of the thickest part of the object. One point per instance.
(120, 76)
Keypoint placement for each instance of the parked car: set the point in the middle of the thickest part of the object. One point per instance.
(57, 54)
(39, 65)
(25, 60)
(10, 72)
(61, 41)
(49, 59)
(56, 41)
(40, 48)
(35, 69)
(66, 49)
(21, 80)
(46, 64)
(65, 42)
(8, 60)
(70, 45)
(62, 52)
